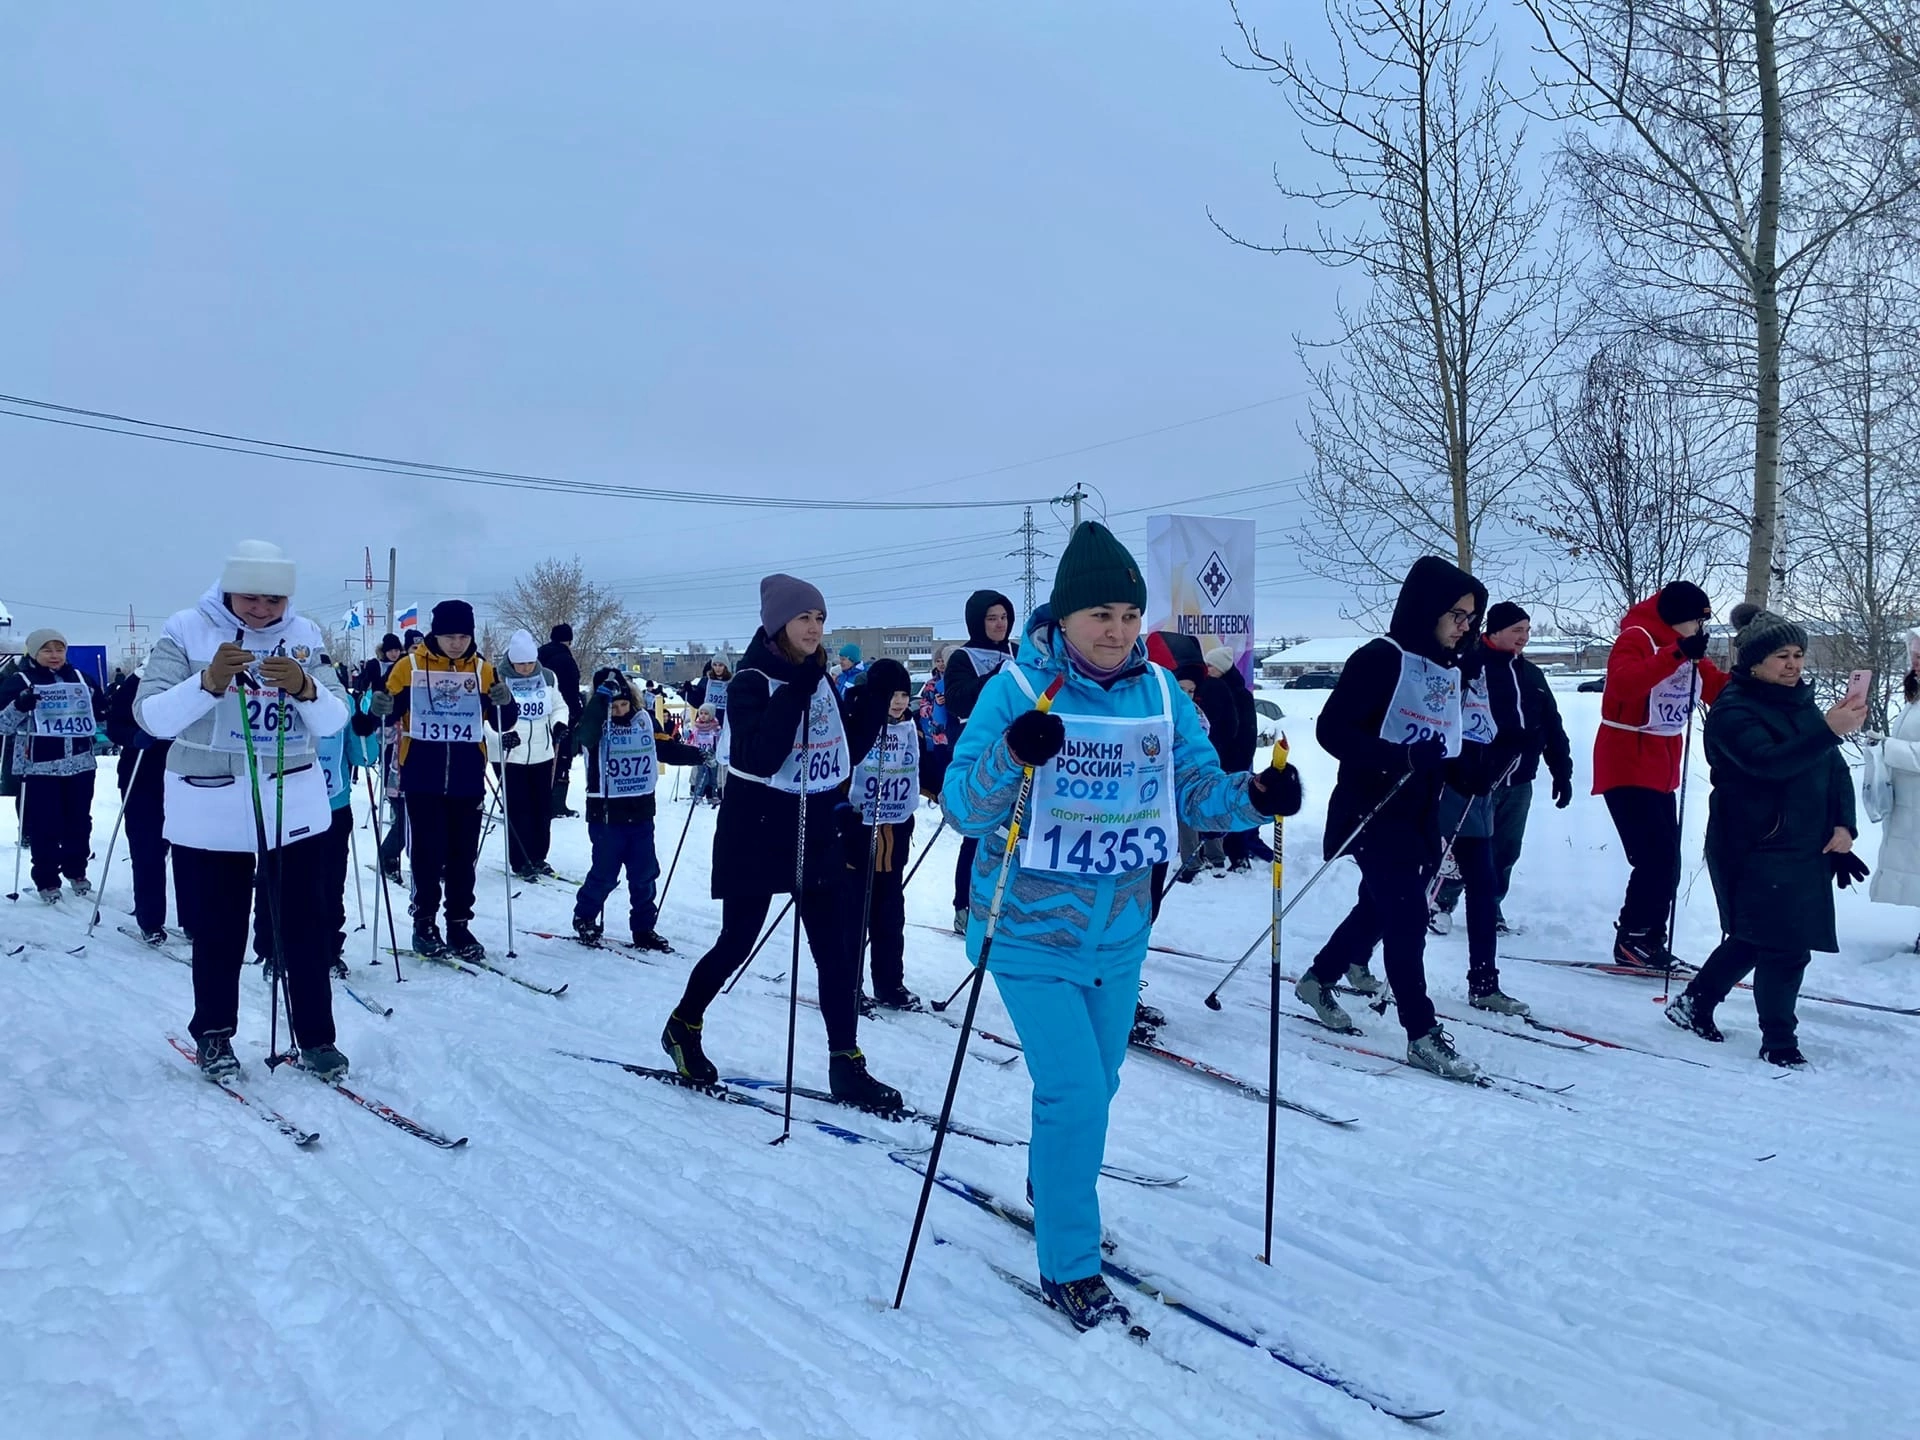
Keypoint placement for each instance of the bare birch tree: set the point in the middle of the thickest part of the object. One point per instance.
(559, 592)
(1425, 416)
(1725, 145)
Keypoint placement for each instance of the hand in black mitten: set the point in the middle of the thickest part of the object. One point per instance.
(1036, 736)
(1562, 791)
(509, 741)
(1693, 646)
(26, 700)
(1276, 791)
(364, 725)
(1426, 756)
(1848, 869)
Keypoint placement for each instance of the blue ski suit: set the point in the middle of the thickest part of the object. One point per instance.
(1067, 949)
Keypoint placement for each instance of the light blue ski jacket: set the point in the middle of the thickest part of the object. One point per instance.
(1056, 924)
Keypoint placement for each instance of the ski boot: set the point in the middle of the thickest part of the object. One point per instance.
(215, 1054)
(82, 886)
(527, 875)
(1362, 981)
(340, 971)
(1686, 1011)
(1241, 866)
(155, 937)
(461, 942)
(1318, 998)
(427, 943)
(1787, 1057)
(587, 929)
(681, 1041)
(960, 923)
(850, 1083)
(1439, 922)
(1643, 950)
(864, 1003)
(651, 940)
(897, 997)
(545, 869)
(1434, 1051)
(50, 894)
(391, 874)
(1086, 1303)
(1501, 927)
(324, 1062)
(1189, 872)
(1498, 1003)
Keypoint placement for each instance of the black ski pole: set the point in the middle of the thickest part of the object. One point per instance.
(1274, 937)
(661, 903)
(106, 870)
(799, 886)
(1213, 996)
(1679, 836)
(747, 964)
(925, 851)
(1044, 704)
(20, 837)
(379, 844)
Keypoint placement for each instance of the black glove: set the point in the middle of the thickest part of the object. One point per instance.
(1426, 756)
(1693, 646)
(1562, 791)
(381, 704)
(364, 725)
(1847, 868)
(1276, 792)
(509, 741)
(26, 700)
(1036, 736)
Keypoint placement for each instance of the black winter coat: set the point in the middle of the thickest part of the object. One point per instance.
(1349, 725)
(1780, 788)
(1246, 724)
(631, 809)
(123, 730)
(558, 658)
(1518, 687)
(754, 838)
(963, 682)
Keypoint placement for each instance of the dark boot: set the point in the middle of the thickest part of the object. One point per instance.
(681, 1041)
(216, 1057)
(850, 1083)
(427, 943)
(461, 942)
(1690, 1012)
(1087, 1303)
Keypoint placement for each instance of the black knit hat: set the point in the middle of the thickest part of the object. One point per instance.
(453, 617)
(1503, 614)
(1761, 633)
(1680, 601)
(390, 641)
(561, 634)
(1096, 569)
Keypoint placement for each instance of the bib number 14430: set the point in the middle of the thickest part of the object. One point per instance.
(1103, 851)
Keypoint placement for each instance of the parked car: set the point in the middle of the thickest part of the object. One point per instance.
(1314, 680)
(1594, 686)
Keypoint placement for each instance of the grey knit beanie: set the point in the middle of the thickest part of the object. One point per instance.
(1761, 632)
(784, 596)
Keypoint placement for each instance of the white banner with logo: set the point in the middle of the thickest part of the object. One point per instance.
(1200, 581)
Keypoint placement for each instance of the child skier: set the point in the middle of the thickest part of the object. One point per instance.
(790, 754)
(625, 749)
(706, 739)
(525, 763)
(236, 684)
(1393, 722)
(1118, 761)
(882, 799)
(53, 709)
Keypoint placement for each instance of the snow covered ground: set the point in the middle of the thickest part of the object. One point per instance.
(1713, 1251)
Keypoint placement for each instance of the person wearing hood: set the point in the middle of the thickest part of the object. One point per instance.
(557, 656)
(142, 785)
(790, 757)
(625, 747)
(1780, 831)
(373, 674)
(524, 758)
(445, 693)
(1394, 720)
(1118, 758)
(1896, 878)
(52, 709)
(989, 646)
(236, 684)
(1657, 672)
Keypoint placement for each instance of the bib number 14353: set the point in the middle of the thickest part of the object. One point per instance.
(1102, 851)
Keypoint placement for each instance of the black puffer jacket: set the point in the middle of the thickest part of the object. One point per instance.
(123, 730)
(964, 679)
(558, 658)
(630, 809)
(1780, 788)
(1349, 725)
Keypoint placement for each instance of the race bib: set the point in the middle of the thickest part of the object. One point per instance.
(65, 711)
(445, 706)
(629, 763)
(986, 663)
(1476, 713)
(1670, 703)
(887, 783)
(1104, 804)
(258, 714)
(1425, 704)
(530, 693)
(820, 759)
(717, 695)
(332, 755)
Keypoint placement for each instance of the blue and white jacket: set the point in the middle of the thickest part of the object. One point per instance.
(1053, 924)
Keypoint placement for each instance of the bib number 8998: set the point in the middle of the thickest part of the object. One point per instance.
(1101, 852)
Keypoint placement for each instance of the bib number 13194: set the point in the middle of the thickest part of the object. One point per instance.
(1102, 851)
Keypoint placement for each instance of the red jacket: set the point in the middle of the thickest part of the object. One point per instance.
(1646, 653)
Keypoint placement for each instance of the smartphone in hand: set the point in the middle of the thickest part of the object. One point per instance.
(1857, 685)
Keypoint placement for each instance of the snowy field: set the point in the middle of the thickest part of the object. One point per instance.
(1717, 1251)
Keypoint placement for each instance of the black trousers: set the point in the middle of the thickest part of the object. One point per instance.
(1391, 913)
(146, 819)
(741, 917)
(562, 770)
(1649, 826)
(1776, 985)
(393, 844)
(57, 813)
(1511, 805)
(886, 928)
(221, 883)
(529, 794)
(443, 847)
(335, 842)
(963, 872)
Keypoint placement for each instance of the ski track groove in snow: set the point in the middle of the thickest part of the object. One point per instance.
(611, 1256)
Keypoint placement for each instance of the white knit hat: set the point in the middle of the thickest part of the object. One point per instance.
(520, 648)
(257, 567)
(1221, 658)
(39, 638)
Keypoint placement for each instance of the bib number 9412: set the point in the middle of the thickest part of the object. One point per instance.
(1102, 851)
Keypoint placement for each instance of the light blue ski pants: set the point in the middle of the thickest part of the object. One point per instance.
(1075, 1038)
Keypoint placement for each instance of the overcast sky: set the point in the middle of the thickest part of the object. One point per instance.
(833, 250)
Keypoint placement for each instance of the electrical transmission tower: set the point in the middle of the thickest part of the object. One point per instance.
(1029, 554)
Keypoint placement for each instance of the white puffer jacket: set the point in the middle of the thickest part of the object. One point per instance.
(209, 801)
(535, 731)
(1896, 876)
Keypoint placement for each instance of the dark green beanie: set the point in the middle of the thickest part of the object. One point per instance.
(1096, 570)
(1761, 633)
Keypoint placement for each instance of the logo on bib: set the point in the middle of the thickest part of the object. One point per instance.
(1150, 745)
(819, 721)
(302, 653)
(1439, 688)
(447, 689)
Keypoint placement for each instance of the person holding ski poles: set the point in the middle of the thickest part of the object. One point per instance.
(790, 756)
(1119, 760)
(876, 831)
(525, 764)
(237, 685)
(557, 656)
(52, 709)
(142, 773)
(1657, 672)
(1393, 721)
(989, 646)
